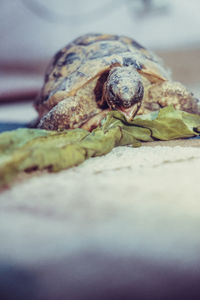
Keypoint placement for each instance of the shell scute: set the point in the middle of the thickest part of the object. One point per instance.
(131, 61)
(107, 48)
(89, 39)
(87, 58)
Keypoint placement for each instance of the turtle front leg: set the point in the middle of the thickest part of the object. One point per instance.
(95, 121)
(169, 93)
(69, 113)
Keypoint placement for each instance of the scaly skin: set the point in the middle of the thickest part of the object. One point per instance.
(78, 90)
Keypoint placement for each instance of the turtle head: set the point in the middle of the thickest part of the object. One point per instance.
(124, 91)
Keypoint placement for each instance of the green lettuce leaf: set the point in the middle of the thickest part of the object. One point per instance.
(26, 150)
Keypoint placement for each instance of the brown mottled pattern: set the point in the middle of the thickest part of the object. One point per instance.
(74, 72)
(92, 53)
(72, 112)
(88, 39)
(168, 93)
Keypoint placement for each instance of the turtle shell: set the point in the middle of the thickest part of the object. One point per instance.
(87, 58)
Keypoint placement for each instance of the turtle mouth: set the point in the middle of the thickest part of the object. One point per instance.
(130, 112)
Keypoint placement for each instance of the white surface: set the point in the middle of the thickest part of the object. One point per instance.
(140, 201)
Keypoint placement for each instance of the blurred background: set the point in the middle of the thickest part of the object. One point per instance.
(155, 236)
(33, 30)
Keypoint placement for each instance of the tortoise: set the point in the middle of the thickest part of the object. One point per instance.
(97, 73)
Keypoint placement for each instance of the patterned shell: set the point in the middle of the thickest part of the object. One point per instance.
(89, 56)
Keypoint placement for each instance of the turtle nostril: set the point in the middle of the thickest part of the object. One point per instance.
(127, 104)
(111, 92)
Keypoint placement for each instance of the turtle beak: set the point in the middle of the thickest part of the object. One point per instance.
(130, 112)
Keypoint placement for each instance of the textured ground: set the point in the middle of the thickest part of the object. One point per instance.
(138, 189)
(133, 212)
(122, 226)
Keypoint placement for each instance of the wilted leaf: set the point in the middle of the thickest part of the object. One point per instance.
(24, 150)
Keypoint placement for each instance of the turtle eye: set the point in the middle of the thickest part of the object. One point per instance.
(113, 99)
(139, 89)
(139, 93)
(111, 92)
